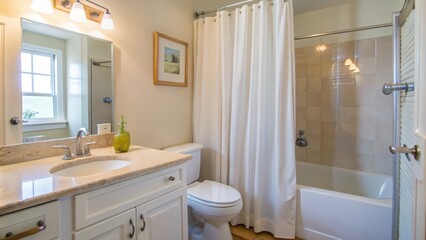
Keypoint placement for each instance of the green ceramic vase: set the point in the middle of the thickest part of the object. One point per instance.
(122, 138)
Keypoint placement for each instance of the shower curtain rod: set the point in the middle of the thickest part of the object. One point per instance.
(202, 13)
(349, 30)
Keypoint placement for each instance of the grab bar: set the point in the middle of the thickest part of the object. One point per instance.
(389, 88)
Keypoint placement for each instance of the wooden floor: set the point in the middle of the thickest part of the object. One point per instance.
(240, 232)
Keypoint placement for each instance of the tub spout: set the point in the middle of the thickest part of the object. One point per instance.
(301, 140)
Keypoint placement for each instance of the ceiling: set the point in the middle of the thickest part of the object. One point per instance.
(300, 6)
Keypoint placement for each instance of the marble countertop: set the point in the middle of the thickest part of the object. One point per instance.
(30, 183)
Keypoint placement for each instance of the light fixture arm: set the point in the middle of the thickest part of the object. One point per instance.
(98, 5)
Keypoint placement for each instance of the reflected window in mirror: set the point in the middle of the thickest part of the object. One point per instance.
(41, 85)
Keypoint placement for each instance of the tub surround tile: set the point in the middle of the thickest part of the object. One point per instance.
(13, 197)
(355, 117)
(301, 85)
(383, 165)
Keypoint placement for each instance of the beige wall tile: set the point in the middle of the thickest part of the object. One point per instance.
(364, 163)
(365, 48)
(330, 54)
(300, 125)
(346, 160)
(366, 130)
(313, 71)
(301, 85)
(301, 154)
(384, 58)
(328, 69)
(301, 69)
(313, 55)
(346, 144)
(300, 55)
(313, 85)
(346, 130)
(384, 115)
(301, 99)
(328, 128)
(366, 65)
(314, 156)
(329, 114)
(365, 146)
(347, 114)
(300, 113)
(314, 142)
(313, 99)
(313, 114)
(326, 84)
(366, 114)
(313, 128)
(329, 143)
(365, 90)
(346, 50)
(329, 158)
(384, 132)
(383, 165)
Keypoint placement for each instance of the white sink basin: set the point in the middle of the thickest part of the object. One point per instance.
(86, 168)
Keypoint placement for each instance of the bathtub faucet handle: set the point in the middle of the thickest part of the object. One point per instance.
(415, 151)
(301, 140)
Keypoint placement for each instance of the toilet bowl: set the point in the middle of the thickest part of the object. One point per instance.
(211, 204)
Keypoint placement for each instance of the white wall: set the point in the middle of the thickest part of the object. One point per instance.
(157, 116)
(357, 13)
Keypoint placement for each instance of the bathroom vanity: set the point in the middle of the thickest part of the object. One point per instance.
(145, 199)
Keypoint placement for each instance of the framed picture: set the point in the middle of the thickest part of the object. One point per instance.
(170, 61)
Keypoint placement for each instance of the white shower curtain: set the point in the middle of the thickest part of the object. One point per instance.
(244, 110)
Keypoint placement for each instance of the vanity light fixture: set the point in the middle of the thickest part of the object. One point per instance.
(80, 12)
(42, 6)
(77, 12)
(356, 70)
(352, 67)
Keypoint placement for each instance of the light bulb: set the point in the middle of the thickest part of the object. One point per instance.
(322, 47)
(352, 67)
(107, 22)
(348, 62)
(42, 6)
(77, 12)
(356, 70)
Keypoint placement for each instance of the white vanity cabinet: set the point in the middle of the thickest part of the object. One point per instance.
(152, 207)
(35, 223)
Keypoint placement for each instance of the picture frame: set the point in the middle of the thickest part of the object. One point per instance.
(170, 61)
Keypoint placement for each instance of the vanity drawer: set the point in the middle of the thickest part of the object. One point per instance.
(100, 204)
(33, 218)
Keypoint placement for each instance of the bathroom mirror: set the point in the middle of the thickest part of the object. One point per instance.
(65, 80)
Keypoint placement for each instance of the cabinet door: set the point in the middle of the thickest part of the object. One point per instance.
(118, 227)
(164, 217)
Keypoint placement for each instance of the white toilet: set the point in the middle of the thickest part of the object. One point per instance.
(212, 204)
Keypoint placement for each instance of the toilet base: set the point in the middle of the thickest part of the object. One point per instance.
(209, 231)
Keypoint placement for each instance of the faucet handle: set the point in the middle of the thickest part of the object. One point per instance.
(67, 151)
(86, 148)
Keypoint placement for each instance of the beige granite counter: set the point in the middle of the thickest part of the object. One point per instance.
(30, 183)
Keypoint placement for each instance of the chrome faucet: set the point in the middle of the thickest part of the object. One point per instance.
(78, 142)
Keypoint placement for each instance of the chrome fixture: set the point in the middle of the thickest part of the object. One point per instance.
(301, 140)
(67, 152)
(78, 142)
(80, 149)
(389, 88)
(415, 151)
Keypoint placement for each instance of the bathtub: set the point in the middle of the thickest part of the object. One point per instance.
(335, 203)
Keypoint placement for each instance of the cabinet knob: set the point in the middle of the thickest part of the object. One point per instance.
(171, 178)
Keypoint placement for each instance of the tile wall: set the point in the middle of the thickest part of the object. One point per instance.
(347, 119)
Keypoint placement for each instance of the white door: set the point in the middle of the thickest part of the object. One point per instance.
(412, 125)
(119, 227)
(10, 92)
(164, 217)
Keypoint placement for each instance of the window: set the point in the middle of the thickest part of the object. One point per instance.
(39, 98)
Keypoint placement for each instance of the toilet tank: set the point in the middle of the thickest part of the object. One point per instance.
(192, 166)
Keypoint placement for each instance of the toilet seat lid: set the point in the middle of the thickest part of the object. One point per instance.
(214, 192)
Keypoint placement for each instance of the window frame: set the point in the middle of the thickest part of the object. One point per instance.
(58, 93)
